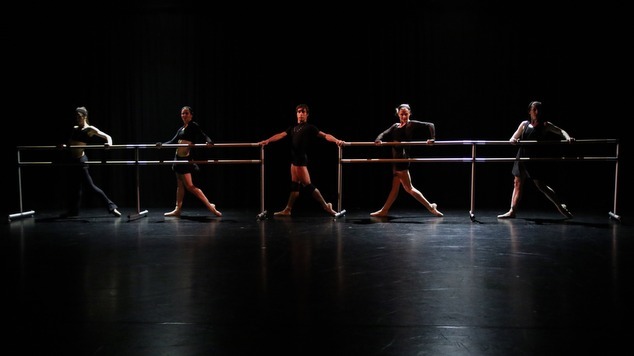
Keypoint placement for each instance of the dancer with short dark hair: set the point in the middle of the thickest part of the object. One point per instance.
(300, 135)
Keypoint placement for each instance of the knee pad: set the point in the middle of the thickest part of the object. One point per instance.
(295, 186)
(309, 189)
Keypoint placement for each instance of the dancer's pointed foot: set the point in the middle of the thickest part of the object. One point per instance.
(212, 208)
(115, 212)
(285, 212)
(508, 215)
(433, 209)
(379, 213)
(329, 209)
(176, 212)
(563, 209)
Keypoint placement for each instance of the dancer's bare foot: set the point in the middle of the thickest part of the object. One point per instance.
(212, 208)
(379, 213)
(176, 212)
(285, 212)
(330, 210)
(508, 215)
(433, 209)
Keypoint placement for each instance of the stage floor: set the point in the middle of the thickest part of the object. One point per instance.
(409, 284)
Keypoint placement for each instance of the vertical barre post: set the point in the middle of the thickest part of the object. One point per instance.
(262, 214)
(20, 182)
(261, 179)
(22, 213)
(339, 179)
(472, 203)
(138, 189)
(616, 183)
(139, 213)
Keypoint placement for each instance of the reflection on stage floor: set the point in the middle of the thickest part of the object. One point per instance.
(406, 284)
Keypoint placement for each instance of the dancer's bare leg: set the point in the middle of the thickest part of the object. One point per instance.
(180, 195)
(320, 199)
(189, 185)
(406, 181)
(552, 196)
(518, 182)
(299, 174)
(396, 185)
(289, 205)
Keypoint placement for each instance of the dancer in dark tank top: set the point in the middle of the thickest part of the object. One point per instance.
(190, 133)
(301, 135)
(404, 130)
(538, 129)
(81, 135)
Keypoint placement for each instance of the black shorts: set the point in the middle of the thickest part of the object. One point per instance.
(182, 168)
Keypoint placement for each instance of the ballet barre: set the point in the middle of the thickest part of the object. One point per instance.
(473, 159)
(137, 162)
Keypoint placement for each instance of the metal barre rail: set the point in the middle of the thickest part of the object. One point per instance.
(137, 146)
(137, 162)
(155, 162)
(479, 142)
(473, 159)
(357, 143)
(143, 145)
(468, 160)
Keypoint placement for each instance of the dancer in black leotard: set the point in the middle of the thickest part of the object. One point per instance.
(540, 130)
(81, 135)
(398, 132)
(190, 133)
(300, 135)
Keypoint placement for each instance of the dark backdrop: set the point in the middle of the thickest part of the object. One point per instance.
(470, 69)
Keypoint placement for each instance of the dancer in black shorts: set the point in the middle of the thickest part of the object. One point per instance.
(300, 135)
(404, 131)
(536, 128)
(190, 133)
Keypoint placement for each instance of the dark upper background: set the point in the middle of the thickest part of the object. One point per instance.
(470, 69)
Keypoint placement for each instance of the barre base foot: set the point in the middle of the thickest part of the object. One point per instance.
(615, 217)
(137, 215)
(340, 214)
(21, 215)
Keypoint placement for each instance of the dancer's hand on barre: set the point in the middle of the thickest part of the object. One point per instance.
(60, 146)
(159, 144)
(431, 141)
(378, 142)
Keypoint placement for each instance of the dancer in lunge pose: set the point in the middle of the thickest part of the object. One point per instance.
(82, 134)
(398, 132)
(535, 128)
(190, 133)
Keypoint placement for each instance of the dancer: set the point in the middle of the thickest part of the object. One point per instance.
(81, 135)
(536, 128)
(300, 135)
(190, 133)
(398, 132)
